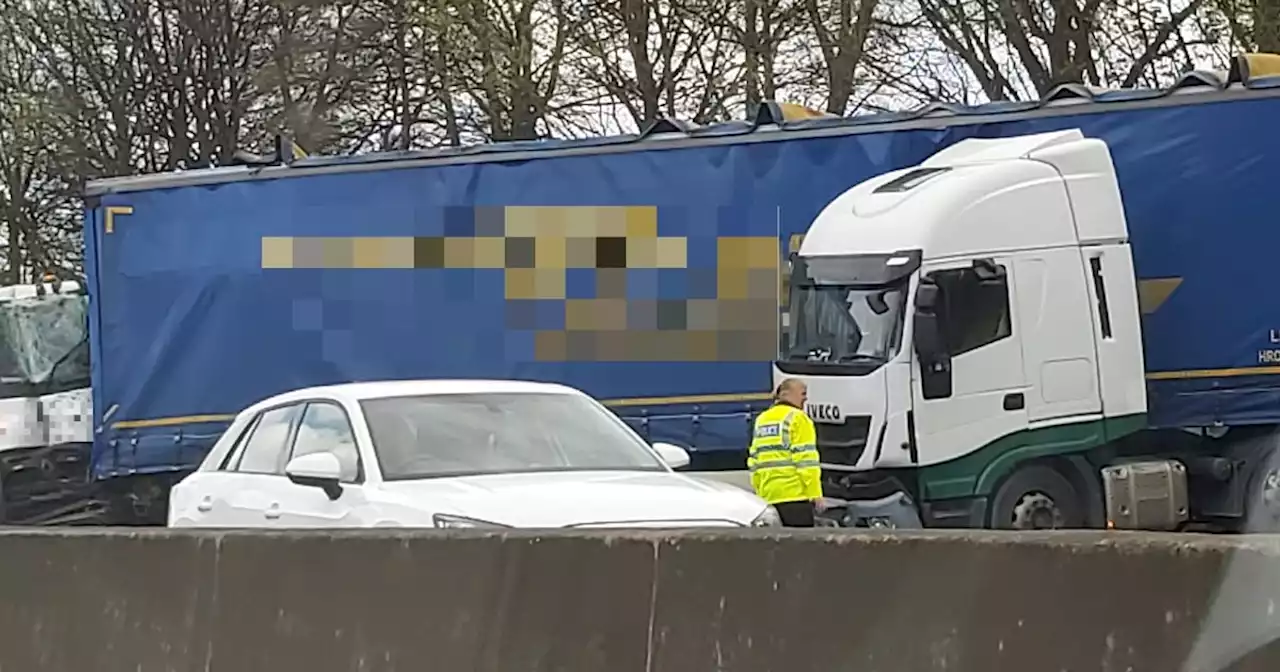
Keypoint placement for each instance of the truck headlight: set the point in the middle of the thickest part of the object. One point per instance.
(767, 518)
(444, 520)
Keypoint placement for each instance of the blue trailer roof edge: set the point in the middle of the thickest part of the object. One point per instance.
(1062, 101)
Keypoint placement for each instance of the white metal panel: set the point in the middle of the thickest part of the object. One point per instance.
(1121, 366)
(1090, 176)
(988, 150)
(895, 450)
(1053, 307)
(972, 210)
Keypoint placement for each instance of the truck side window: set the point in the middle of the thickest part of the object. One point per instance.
(263, 451)
(975, 313)
(1100, 288)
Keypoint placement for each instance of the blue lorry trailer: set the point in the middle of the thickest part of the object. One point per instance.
(645, 270)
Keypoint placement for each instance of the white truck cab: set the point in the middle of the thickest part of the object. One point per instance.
(46, 427)
(959, 319)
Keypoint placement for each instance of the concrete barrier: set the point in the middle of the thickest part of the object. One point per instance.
(93, 601)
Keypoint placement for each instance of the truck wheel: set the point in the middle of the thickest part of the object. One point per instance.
(1036, 498)
(1263, 511)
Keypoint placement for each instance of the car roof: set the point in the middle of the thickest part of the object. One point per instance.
(355, 392)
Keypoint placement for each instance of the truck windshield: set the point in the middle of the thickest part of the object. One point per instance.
(844, 310)
(44, 341)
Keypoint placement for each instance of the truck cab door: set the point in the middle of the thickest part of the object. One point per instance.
(975, 393)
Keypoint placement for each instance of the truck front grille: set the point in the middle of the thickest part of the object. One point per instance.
(843, 443)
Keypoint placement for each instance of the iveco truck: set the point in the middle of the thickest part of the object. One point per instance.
(45, 404)
(972, 331)
(969, 326)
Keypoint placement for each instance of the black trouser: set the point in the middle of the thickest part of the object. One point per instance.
(796, 514)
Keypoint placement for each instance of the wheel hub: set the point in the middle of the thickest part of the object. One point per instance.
(1265, 516)
(1037, 511)
(1271, 488)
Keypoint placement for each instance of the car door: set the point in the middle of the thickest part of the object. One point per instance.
(324, 427)
(247, 496)
(197, 501)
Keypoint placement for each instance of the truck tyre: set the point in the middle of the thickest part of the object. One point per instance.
(1262, 513)
(1036, 497)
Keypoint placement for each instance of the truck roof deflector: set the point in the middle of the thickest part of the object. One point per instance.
(986, 150)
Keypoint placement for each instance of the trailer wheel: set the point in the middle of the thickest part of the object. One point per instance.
(1036, 497)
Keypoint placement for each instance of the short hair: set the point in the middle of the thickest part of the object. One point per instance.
(785, 385)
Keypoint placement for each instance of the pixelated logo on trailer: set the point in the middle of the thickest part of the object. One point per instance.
(602, 267)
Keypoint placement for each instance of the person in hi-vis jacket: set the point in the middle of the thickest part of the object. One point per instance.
(783, 458)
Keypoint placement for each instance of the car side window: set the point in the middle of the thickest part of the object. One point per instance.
(229, 460)
(325, 428)
(265, 445)
(975, 311)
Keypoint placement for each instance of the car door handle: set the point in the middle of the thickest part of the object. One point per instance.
(205, 505)
(1014, 401)
(273, 511)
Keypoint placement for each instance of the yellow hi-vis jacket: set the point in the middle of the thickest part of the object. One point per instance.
(783, 458)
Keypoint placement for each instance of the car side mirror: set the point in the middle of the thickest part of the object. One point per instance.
(675, 456)
(317, 470)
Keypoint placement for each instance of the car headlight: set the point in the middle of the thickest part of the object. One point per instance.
(444, 520)
(767, 518)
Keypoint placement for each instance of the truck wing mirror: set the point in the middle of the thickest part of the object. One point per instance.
(796, 263)
(928, 336)
(930, 343)
(932, 356)
(877, 303)
(926, 296)
(987, 270)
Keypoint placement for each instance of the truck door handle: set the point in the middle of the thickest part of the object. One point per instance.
(205, 505)
(273, 511)
(1014, 401)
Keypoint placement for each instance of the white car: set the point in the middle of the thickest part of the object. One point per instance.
(436, 453)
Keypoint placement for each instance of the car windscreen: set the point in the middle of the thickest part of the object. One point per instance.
(498, 433)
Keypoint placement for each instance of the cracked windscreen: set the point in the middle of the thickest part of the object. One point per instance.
(44, 340)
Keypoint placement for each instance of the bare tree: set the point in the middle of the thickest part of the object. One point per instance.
(511, 53)
(318, 61)
(410, 78)
(1051, 41)
(643, 53)
(90, 52)
(1254, 25)
(196, 59)
(761, 31)
(27, 193)
(842, 29)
